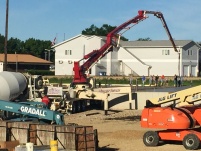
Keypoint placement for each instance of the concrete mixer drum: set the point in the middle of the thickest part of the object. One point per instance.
(12, 85)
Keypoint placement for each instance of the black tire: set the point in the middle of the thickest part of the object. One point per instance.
(74, 107)
(191, 142)
(78, 106)
(151, 138)
(83, 105)
(39, 82)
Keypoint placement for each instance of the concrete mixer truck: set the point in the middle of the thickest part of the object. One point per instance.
(18, 86)
(15, 90)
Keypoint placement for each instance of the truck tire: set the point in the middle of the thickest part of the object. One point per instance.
(151, 138)
(78, 103)
(39, 82)
(83, 105)
(191, 142)
(74, 107)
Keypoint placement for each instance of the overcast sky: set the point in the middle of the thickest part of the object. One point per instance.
(64, 19)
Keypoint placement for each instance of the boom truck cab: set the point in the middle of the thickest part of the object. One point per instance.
(176, 115)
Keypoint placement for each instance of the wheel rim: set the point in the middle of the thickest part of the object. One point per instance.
(149, 139)
(189, 142)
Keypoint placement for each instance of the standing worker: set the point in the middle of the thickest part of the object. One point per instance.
(156, 80)
(46, 100)
(162, 80)
(143, 80)
(175, 80)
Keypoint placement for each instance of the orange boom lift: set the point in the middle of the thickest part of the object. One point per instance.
(177, 115)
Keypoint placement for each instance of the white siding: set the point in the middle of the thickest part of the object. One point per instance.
(79, 47)
(115, 67)
(93, 43)
(127, 60)
(190, 58)
(193, 71)
(185, 71)
(64, 60)
(142, 57)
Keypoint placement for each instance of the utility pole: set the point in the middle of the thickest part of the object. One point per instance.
(16, 61)
(6, 38)
(48, 55)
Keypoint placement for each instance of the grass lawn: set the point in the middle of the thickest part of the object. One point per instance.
(125, 80)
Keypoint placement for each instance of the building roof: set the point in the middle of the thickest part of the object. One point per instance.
(154, 43)
(58, 44)
(86, 36)
(23, 58)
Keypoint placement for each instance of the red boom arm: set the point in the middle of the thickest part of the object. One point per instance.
(96, 55)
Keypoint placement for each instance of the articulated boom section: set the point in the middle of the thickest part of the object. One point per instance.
(79, 71)
(112, 41)
(96, 55)
(160, 16)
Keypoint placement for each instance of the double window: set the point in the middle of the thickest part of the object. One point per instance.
(190, 52)
(165, 52)
(68, 52)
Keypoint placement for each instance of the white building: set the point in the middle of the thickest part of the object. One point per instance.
(155, 57)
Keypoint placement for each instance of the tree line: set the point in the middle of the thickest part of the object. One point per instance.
(31, 46)
(104, 30)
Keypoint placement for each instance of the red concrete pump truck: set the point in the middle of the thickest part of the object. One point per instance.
(81, 94)
(113, 39)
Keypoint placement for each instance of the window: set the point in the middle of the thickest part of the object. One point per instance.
(190, 52)
(68, 52)
(165, 52)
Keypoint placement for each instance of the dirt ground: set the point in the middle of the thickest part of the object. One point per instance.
(119, 130)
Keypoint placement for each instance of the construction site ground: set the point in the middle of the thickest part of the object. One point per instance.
(119, 130)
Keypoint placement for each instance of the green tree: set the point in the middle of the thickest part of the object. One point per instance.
(31, 46)
(36, 47)
(2, 39)
(14, 45)
(102, 31)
